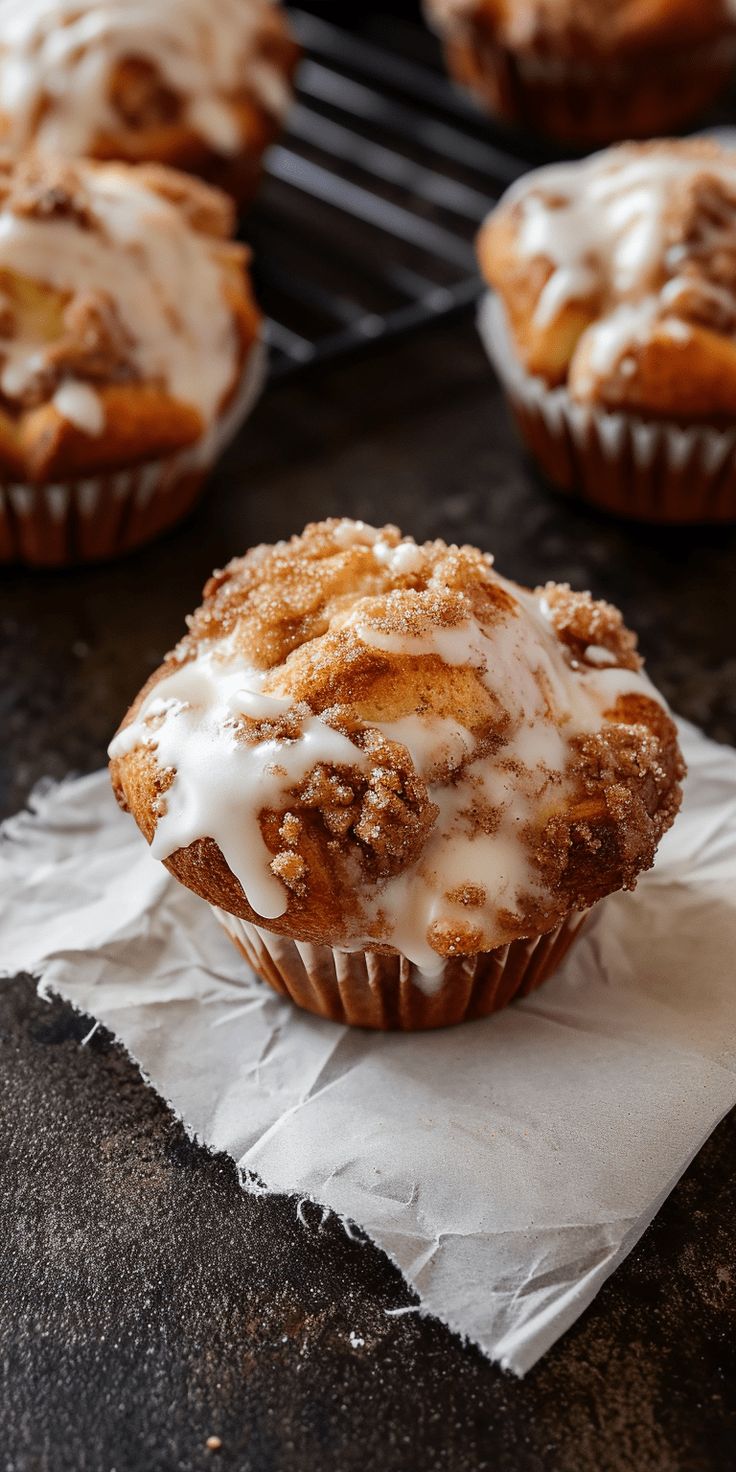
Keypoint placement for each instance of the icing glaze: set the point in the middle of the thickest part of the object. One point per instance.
(220, 782)
(57, 58)
(80, 405)
(602, 224)
(164, 278)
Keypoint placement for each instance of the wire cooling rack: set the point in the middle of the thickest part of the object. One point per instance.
(365, 223)
(364, 227)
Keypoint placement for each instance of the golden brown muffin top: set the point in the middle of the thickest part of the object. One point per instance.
(580, 29)
(125, 314)
(618, 277)
(115, 78)
(366, 742)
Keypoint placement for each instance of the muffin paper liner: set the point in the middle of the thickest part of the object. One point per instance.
(584, 103)
(365, 989)
(102, 516)
(647, 470)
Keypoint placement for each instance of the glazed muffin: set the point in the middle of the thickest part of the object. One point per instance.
(129, 353)
(614, 326)
(399, 779)
(186, 83)
(589, 73)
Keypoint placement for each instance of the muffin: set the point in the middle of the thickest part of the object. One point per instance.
(399, 780)
(588, 73)
(129, 353)
(613, 329)
(186, 83)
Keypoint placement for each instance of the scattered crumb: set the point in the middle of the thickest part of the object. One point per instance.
(213, 1444)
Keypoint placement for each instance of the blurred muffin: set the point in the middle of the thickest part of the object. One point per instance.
(129, 353)
(399, 779)
(588, 73)
(188, 83)
(614, 328)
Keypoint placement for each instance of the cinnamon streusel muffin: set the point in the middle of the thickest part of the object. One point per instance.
(188, 83)
(614, 327)
(129, 353)
(399, 779)
(590, 71)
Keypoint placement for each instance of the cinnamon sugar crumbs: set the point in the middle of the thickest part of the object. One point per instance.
(291, 828)
(277, 599)
(95, 345)
(472, 895)
(286, 726)
(627, 780)
(47, 189)
(413, 614)
(702, 229)
(138, 94)
(584, 623)
(44, 188)
(480, 817)
(326, 789)
(387, 810)
(448, 938)
(291, 868)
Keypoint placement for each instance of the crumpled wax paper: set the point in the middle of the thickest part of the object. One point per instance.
(506, 1166)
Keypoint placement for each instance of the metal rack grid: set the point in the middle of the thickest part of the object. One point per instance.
(364, 227)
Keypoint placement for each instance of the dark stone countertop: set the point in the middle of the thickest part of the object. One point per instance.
(147, 1304)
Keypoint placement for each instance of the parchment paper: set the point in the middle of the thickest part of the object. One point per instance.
(507, 1166)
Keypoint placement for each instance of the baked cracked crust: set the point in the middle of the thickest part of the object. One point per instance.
(126, 316)
(366, 743)
(180, 82)
(618, 278)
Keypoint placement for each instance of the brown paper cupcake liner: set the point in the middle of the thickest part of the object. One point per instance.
(365, 989)
(645, 470)
(103, 516)
(585, 103)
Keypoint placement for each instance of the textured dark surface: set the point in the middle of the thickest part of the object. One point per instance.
(146, 1304)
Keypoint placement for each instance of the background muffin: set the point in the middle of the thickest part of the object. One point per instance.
(129, 352)
(398, 777)
(585, 72)
(614, 331)
(196, 85)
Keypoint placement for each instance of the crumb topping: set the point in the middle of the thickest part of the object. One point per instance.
(390, 744)
(590, 627)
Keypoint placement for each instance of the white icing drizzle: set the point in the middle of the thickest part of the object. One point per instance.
(221, 784)
(601, 223)
(80, 405)
(57, 58)
(164, 277)
(406, 558)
